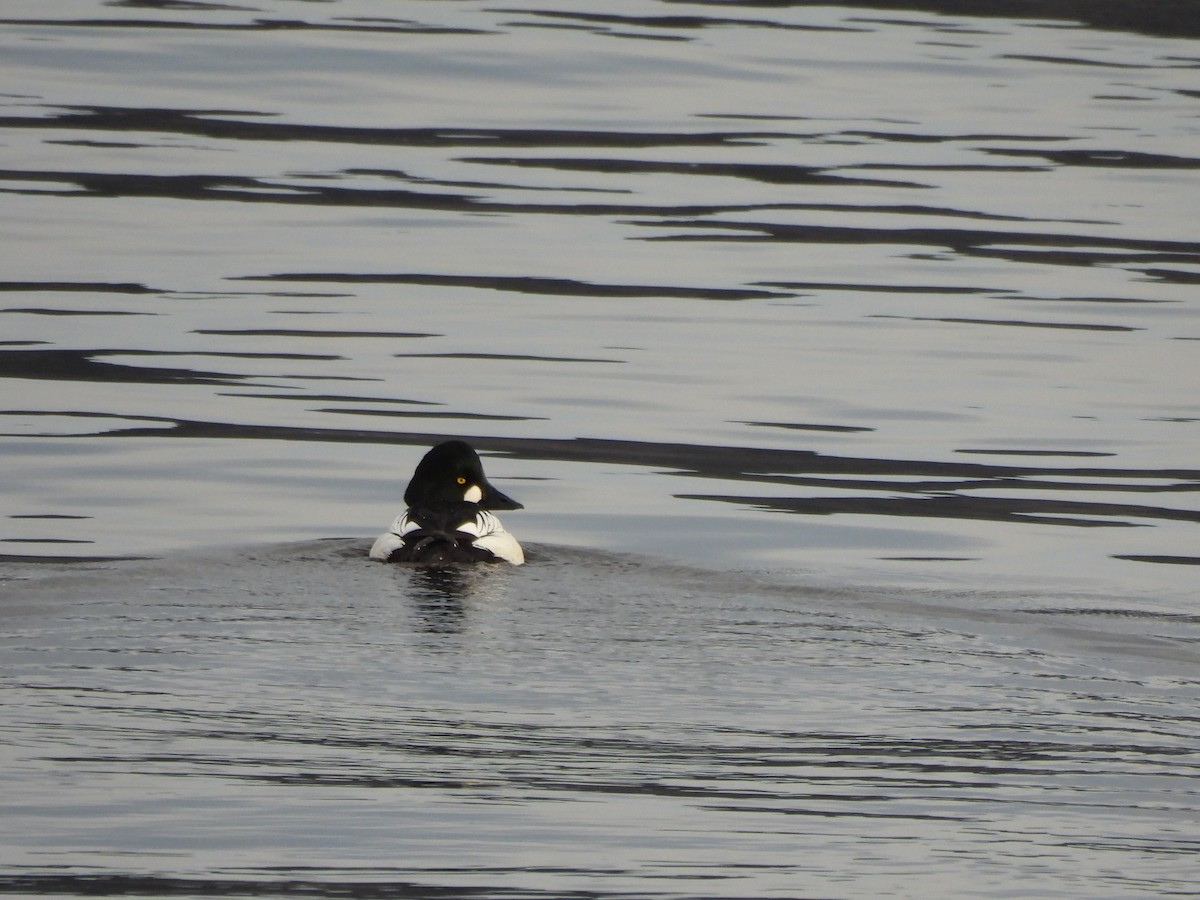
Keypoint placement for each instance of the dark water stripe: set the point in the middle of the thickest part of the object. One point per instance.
(1167, 18)
(766, 174)
(230, 188)
(258, 24)
(911, 137)
(689, 23)
(82, 365)
(1174, 276)
(244, 189)
(87, 287)
(290, 883)
(1041, 510)
(333, 398)
(808, 426)
(73, 312)
(939, 168)
(304, 333)
(1085, 61)
(47, 516)
(425, 414)
(883, 288)
(1165, 560)
(908, 209)
(1137, 301)
(1071, 453)
(566, 287)
(263, 126)
(507, 357)
(1013, 323)
(241, 189)
(1115, 159)
(59, 560)
(968, 242)
(212, 123)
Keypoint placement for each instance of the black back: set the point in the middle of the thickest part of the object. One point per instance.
(438, 542)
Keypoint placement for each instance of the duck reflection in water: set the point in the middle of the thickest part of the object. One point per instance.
(441, 595)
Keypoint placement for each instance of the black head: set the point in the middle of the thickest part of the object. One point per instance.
(452, 473)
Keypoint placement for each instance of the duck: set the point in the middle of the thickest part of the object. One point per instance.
(449, 518)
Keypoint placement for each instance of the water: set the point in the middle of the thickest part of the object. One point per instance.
(300, 720)
(844, 360)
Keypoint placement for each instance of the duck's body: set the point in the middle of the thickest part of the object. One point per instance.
(456, 533)
(448, 519)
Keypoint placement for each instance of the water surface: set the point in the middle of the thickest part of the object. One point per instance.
(844, 359)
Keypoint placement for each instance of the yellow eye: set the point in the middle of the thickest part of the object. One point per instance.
(461, 480)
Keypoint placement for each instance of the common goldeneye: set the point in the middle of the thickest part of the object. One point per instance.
(448, 519)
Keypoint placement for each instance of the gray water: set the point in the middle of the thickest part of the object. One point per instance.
(844, 359)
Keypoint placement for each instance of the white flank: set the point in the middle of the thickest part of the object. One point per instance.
(384, 546)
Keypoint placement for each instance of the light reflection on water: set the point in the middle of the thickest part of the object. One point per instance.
(814, 299)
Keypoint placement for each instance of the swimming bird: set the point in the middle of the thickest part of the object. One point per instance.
(449, 518)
